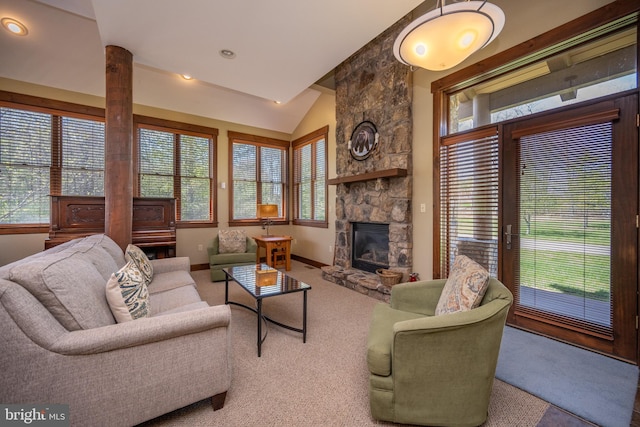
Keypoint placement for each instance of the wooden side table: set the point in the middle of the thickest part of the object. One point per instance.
(271, 244)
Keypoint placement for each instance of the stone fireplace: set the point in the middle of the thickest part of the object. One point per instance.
(369, 246)
(373, 86)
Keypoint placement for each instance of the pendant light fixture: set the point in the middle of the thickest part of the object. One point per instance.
(449, 34)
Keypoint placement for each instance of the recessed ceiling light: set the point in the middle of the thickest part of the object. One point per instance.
(278, 102)
(15, 27)
(227, 54)
(186, 76)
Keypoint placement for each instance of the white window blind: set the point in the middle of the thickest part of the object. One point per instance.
(310, 180)
(272, 176)
(245, 182)
(565, 225)
(156, 163)
(195, 178)
(176, 163)
(258, 173)
(469, 199)
(25, 160)
(82, 157)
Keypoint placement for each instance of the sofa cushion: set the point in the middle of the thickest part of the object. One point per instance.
(185, 308)
(137, 255)
(170, 280)
(232, 241)
(173, 299)
(127, 294)
(98, 256)
(465, 286)
(111, 247)
(69, 285)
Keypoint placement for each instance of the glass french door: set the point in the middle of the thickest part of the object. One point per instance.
(569, 232)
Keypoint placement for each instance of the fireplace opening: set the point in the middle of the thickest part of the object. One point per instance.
(370, 246)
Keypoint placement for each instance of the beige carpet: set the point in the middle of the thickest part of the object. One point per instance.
(321, 383)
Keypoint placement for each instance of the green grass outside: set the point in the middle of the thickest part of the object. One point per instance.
(596, 231)
(566, 272)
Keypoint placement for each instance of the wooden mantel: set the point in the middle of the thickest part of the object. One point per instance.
(386, 173)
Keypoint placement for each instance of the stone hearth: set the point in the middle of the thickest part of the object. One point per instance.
(372, 85)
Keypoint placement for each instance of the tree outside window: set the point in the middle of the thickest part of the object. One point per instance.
(46, 152)
(258, 173)
(177, 160)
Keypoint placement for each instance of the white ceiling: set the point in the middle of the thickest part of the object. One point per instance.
(282, 47)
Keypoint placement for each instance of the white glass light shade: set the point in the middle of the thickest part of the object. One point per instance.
(446, 36)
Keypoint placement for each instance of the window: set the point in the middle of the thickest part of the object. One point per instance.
(310, 179)
(46, 151)
(469, 199)
(537, 178)
(177, 160)
(567, 73)
(258, 173)
(82, 157)
(578, 63)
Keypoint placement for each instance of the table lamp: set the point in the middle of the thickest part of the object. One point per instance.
(267, 212)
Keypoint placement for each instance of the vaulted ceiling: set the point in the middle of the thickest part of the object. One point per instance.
(282, 47)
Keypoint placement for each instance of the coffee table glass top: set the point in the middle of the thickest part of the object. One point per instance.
(263, 281)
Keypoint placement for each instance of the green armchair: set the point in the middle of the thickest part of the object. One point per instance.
(218, 261)
(434, 370)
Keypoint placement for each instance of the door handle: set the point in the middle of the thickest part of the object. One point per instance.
(508, 235)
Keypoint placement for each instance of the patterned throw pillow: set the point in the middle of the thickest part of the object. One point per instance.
(232, 241)
(465, 287)
(137, 255)
(127, 294)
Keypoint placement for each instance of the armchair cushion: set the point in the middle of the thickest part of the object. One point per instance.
(137, 255)
(380, 339)
(465, 286)
(127, 294)
(232, 241)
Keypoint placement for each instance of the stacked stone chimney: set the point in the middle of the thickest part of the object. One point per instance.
(372, 85)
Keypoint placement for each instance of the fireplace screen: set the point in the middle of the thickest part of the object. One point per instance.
(369, 246)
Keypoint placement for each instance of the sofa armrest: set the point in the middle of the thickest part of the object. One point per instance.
(165, 265)
(142, 331)
(417, 297)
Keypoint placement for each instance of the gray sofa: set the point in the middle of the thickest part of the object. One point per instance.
(60, 343)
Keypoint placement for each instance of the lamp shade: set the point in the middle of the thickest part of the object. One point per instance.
(267, 211)
(448, 35)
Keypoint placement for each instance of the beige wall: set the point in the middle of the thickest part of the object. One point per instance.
(311, 242)
(524, 21)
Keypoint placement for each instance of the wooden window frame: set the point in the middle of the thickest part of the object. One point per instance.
(503, 62)
(57, 109)
(310, 139)
(259, 141)
(179, 128)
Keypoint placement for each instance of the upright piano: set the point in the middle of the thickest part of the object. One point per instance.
(154, 222)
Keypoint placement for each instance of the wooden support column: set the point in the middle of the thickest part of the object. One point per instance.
(118, 173)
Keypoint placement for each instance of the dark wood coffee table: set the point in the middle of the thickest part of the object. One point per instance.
(262, 281)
